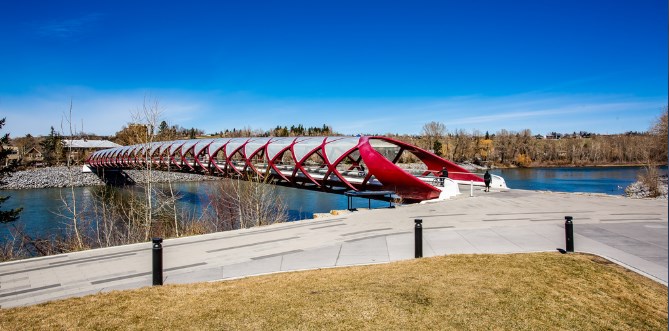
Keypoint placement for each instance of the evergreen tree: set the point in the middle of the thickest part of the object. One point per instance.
(163, 127)
(437, 147)
(52, 147)
(11, 215)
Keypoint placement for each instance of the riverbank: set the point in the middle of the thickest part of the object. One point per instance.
(55, 177)
(640, 190)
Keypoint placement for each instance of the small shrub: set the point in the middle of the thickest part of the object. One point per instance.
(650, 179)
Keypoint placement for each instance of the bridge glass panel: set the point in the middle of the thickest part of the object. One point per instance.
(255, 148)
(254, 145)
(132, 152)
(201, 151)
(116, 155)
(165, 147)
(304, 146)
(216, 144)
(234, 144)
(187, 152)
(176, 146)
(337, 148)
(277, 145)
(352, 168)
(188, 145)
(201, 145)
(387, 149)
(174, 153)
(155, 146)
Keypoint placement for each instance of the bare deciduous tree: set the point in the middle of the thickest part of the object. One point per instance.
(239, 204)
(71, 205)
(433, 132)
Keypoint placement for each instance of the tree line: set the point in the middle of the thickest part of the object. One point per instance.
(523, 149)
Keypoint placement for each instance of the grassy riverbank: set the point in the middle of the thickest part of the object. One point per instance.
(512, 292)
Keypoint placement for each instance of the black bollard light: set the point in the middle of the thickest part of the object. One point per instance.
(569, 233)
(157, 261)
(419, 237)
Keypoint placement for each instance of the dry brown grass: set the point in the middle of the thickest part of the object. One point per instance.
(650, 179)
(460, 292)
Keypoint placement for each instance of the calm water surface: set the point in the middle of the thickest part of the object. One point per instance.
(608, 180)
(43, 206)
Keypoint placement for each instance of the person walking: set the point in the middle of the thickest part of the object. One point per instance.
(444, 175)
(487, 178)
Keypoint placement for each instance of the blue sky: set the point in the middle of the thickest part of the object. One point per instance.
(360, 66)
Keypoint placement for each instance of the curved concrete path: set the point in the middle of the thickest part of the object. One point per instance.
(630, 232)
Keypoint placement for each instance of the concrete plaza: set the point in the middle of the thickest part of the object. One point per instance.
(630, 232)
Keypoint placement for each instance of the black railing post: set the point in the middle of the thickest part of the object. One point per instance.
(157, 261)
(569, 233)
(419, 237)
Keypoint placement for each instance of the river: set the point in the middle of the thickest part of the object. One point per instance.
(42, 206)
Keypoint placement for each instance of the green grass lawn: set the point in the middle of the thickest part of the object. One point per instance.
(543, 291)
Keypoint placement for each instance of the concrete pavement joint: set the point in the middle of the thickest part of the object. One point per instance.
(338, 254)
(439, 215)
(121, 278)
(87, 260)
(250, 245)
(277, 254)
(236, 235)
(145, 273)
(15, 288)
(327, 226)
(41, 268)
(13, 280)
(506, 219)
(541, 212)
(376, 236)
(185, 266)
(650, 214)
(33, 260)
(365, 231)
(628, 219)
(29, 290)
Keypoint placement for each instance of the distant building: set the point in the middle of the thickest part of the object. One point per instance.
(553, 136)
(33, 155)
(79, 149)
(13, 155)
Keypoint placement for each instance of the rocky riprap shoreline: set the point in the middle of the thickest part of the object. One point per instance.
(639, 190)
(73, 176)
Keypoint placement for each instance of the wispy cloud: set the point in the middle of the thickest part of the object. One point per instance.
(68, 28)
(105, 112)
(96, 111)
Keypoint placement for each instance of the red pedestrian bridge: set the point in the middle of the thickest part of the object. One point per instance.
(336, 164)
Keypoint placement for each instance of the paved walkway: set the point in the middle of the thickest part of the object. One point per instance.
(630, 232)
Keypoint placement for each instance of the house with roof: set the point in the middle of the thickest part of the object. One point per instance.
(80, 149)
(13, 155)
(33, 155)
